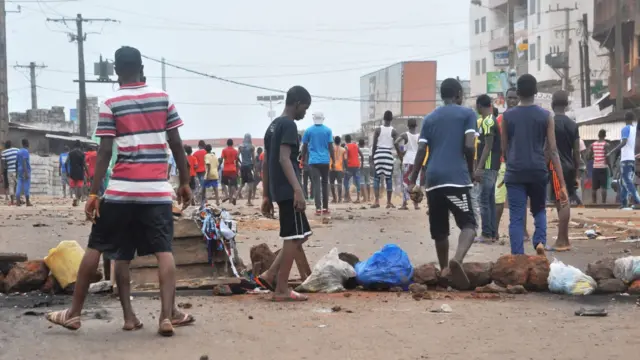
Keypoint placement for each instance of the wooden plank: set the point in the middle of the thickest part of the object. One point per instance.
(192, 284)
(186, 251)
(13, 257)
(149, 275)
(184, 228)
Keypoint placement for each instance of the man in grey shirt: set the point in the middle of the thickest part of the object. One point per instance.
(247, 160)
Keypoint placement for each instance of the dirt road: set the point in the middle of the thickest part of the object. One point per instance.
(369, 325)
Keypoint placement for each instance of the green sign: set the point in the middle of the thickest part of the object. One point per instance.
(494, 83)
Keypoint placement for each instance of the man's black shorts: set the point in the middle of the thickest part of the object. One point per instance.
(192, 183)
(246, 173)
(599, 179)
(569, 181)
(293, 224)
(456, 200)
(124, 229)
(229, 180)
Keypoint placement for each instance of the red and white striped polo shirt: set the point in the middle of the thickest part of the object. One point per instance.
(139, 117)
(599, 156)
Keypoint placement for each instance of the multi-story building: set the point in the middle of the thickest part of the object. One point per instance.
(539, 43)
(604, 33)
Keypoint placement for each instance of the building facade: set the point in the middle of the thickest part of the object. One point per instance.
(466, 89)
(539, 40)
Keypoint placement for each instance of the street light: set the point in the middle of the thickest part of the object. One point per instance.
(271, 98)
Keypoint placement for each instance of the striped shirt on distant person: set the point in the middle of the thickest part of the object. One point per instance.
(10, 157)
(139, 117)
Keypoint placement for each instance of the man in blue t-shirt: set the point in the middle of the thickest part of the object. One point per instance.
(628, 161)
(317, 143)
(62, 170)
(23, 164)
(449, 132)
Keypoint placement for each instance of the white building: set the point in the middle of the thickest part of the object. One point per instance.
(543, 31)
(466, 89)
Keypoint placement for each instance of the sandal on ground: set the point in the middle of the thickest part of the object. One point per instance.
(264, 284)
(60, 318)
(137, 326)
(166, 328)
(558, 248)
(403, 208)
(375, 206)
(184, 320)
(292, 297)
(391, 206)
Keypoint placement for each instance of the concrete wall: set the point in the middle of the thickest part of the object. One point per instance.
(44, 176)
(47, 119)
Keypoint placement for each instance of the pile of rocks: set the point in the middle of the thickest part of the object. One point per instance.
(18, 274)
(509, 271)
(602, 271)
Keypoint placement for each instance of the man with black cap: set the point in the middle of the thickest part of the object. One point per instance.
(135, 214)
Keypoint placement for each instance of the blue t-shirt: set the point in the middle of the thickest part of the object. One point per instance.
(63, 162)
(23, 155)
(526, 132)
(318, 138)
(444, 131)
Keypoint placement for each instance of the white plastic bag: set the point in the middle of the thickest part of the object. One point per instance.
(328, 275)
(627, 269)
(566, 279)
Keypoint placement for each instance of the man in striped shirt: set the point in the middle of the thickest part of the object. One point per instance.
(135, 214)
(9, 161)
(600, 172)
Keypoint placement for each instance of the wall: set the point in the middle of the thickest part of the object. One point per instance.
(418, 87)
(44, 176)
(93, 113)
(480, 48)
(383, 90)
(47, 119)
(38, 143)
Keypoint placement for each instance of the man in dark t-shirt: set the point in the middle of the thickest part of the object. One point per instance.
(486, 171)
(76, 167)
(568, 145)
(282, 185)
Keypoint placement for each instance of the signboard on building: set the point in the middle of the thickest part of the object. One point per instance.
(501, 58)
(73, 115)
(495, 82)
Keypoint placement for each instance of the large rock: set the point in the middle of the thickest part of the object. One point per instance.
(601, 269)
(349, 258)
(26, 276)
(261, 258)
(426, 274)
(529, 271)
(479, 275)
(611, 286)
(50, 286)
(634, 288)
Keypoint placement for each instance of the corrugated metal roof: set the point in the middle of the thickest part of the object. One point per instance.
(590, 132)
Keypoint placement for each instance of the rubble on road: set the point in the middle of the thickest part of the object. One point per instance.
(526, 270)
(26, 276)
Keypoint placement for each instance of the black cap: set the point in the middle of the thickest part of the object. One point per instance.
(127, 55)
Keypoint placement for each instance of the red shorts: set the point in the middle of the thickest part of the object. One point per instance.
(75, 183)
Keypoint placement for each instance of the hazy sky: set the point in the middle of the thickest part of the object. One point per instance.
(324, 46)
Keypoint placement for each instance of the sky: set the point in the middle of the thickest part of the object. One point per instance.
(324, 46)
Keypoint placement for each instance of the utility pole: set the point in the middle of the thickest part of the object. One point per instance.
(80, 38)
(164, 74)
(4, 97)
(586, 65)
(512, 36)
(582, 89)
(619, 55)
(566, 79)
(32, 75)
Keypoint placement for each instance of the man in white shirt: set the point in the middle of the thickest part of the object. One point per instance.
(628, 161)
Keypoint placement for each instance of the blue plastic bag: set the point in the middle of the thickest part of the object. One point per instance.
(389, 267)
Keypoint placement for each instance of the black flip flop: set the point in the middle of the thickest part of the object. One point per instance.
(591, 312)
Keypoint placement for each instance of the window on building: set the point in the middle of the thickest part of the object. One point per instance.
(539, 13)
(532, 7)
(477, 67)
(532, 51)
(483, 24)
(484, 65)
(477, 26)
